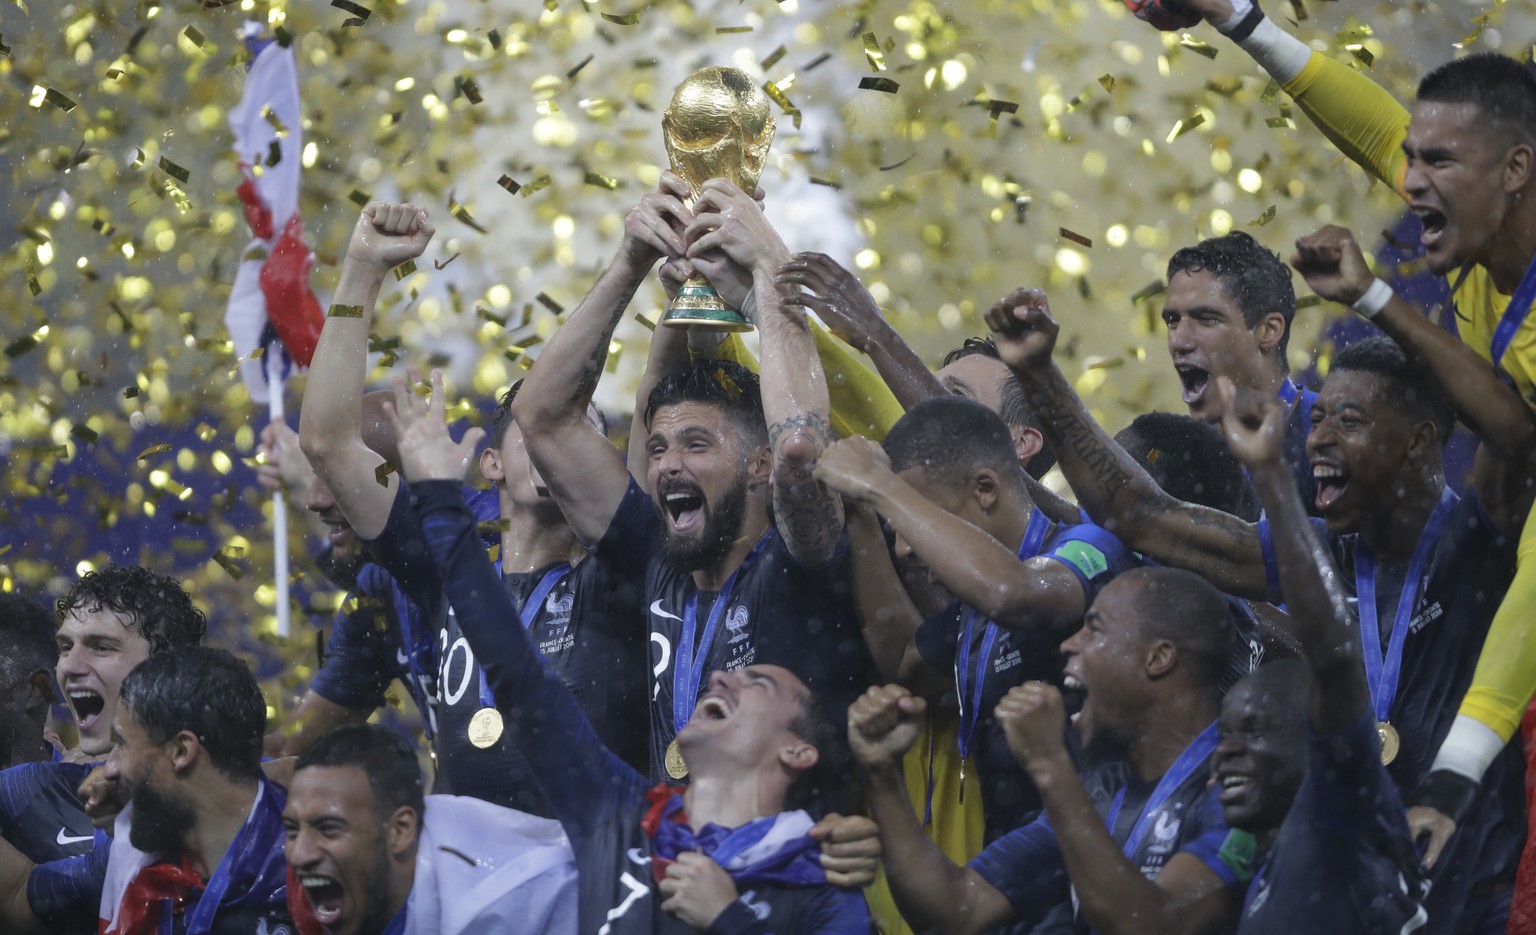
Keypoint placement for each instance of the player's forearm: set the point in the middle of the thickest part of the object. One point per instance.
(558, 389)
(908, 378)
(669, 350)
(1493, 410)
(1113, 895)
(332, 413)
(929, 888)
(887, 615)
(15, 910)
(797, 409)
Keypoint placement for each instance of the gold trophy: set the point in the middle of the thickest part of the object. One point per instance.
(717, 127)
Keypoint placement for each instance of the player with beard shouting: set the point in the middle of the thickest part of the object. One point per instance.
(722, 586)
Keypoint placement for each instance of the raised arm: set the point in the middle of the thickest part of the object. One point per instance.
(794, 388)
(332, 421)
(981, 571)
(1187, 896)
(1324, 629)
(932, 891)
(1112, 488)
(837, 296)
(668, 351)
(585, 474)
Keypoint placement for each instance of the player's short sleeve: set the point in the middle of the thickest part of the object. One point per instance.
(633, 535)
(1346, 787)
(401, 550)
(360, 656)
(1207, 838)
(1026, 866)
(65, 895)
(939, 635)
(1093, 554)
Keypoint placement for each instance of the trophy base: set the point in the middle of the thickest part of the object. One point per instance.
(698, 305)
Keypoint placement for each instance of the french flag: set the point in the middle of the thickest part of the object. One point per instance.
(271, 307)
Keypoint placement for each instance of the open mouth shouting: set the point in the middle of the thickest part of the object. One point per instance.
(1196, 380)
(684, 507)
(1075, 695)
(87, 704)
(326, 895)
(1434, 223)
(1332, 480)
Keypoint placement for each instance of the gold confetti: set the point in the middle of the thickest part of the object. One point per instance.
(153, 450)
(359, 12)
(194, 36)
(382, 472)
(878, 84)
(729, 30)
(623, 19)
(726, 383)
(42, 95)
(468, 88)
(1265, 218)
(1146, 292)
(1075, 237)
(538, 183)
(579, 66)
(1188, 123)
(442, 265)
(506, 182)
(1107, 82)
(1196, 46)
(550, 304)
(873, 53)
(773, 58)
(403, 270)
(462, 213)
(601, 181)
(779, 98)
(173, 170)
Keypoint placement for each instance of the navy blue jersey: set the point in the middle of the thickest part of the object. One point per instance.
(65, 894)
(41, 815)
(1298, 425)
(1008, 798)
(598, 798)
(594, 639)
(1342, 861)
(1026, 865)
(780, 613)
(1468, 572)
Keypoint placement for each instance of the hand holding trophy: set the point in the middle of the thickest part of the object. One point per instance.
(717, 126)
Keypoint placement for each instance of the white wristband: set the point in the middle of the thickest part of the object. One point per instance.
(1469, 748)
(1374, 300)
(1277, 51)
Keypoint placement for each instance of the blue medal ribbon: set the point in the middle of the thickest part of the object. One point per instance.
(1034, 537)
(1514, 316)
(1382, 669)
(686, 677)
(1194, 756)
(531, 608)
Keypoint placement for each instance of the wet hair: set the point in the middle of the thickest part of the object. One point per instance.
(822, 782)
(1503, 89)
(1185, 609)
(388, 760)
(208, 692)
(501, 419)
(1188, 459)
(27, 641)
(1016, 410)
(724, 384)
(951, 438)
(153, 605)
(1256, 279)
(1414, 391)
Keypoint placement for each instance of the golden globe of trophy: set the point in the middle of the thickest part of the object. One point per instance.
(717, 127)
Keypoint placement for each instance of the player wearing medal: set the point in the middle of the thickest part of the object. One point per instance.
(1299, 762)
(950, 484)
(717, 855)
(1465, 161)
(723, 587)
(1428, 567)
(1139, 838)
(570, 610)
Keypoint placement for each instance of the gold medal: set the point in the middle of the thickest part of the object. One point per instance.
(677, 767)
(485, 728)
(1390, 742)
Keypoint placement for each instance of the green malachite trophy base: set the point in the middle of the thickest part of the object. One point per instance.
(698, 305)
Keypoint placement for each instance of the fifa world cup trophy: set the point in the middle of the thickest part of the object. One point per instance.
(717, 127)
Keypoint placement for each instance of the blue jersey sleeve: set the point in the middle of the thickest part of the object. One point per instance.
(937, 637)
(1093, 554)
(1208, 839)
(360, 656)
(65, 895)
(1347, 790)
(585, 784)
(1026, 866)
(633, 536)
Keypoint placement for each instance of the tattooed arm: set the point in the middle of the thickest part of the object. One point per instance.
(584, 472)
(1112, 488)
(795, 400)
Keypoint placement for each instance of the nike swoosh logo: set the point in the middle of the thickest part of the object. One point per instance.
(656, 609)
(65, 838)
